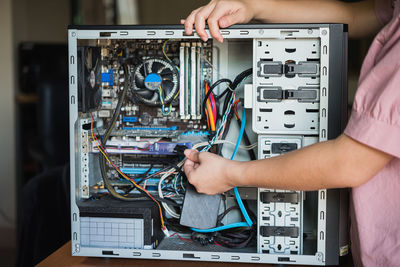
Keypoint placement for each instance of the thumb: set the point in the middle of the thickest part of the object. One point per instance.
(192, 154)
(230, 19)
(188, 168)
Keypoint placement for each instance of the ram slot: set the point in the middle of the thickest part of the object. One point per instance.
(182, 87)
(187, 84)
(193, 88)
(199, 79)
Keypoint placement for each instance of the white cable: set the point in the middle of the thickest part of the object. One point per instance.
(249, 147)
(207, 145)
(221, 126)
(167, 209)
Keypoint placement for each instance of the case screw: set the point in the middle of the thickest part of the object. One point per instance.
(77, 248)
(261, 31)
(324, 32)
(73, 34)
(320, 256)
(310, 31)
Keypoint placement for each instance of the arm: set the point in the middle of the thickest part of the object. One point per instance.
(338, 163)
(360, 16)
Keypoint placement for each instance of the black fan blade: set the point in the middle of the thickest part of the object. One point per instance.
(96, 99)
(142, 70)
(157, 66)
(166, 72)
(168, 77)
(146, 68)
(88, 58)
(149, 66)
(139, 82)
(155, 97)
(147, 94)
(97, 73)
(167, 87)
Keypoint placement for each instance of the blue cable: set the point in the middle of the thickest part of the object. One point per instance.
(220, 228)
(246, 216)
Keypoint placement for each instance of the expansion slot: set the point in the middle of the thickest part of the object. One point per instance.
(132, 147)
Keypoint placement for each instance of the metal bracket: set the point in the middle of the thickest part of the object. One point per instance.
(303, 69)
(266, 94)
(279, 197)
(279, 231)
(289, 69)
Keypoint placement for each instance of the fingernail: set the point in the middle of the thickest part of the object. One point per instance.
(186, 152)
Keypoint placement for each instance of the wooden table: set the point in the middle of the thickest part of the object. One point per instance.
(62, 258)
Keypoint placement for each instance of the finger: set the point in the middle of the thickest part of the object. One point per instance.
(218, 12)
(189, 22)
(192, 154)
(231, 19)
(183, 21)
(200, 20)
(189, 168)
(189, 163)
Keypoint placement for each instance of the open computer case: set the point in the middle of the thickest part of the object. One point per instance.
(140, 95)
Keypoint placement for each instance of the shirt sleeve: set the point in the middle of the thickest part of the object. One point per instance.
(375, 118)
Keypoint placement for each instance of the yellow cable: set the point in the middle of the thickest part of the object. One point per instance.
(210, 113)
(165, 54)
(124, 175)
(163, 50)
(212, 122)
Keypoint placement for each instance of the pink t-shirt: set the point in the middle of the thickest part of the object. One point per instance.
(375, 121)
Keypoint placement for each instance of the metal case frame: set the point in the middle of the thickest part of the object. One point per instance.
(332, 206)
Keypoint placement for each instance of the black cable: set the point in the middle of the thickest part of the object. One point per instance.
(222, 215)
(235, 242)
(103, 170)
(212, 87)
(246, 141)
(229, 91)
(240, 237)
(144, 175)
(139, 197)
(174, 225)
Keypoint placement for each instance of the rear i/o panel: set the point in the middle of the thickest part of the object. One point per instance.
(141, 95)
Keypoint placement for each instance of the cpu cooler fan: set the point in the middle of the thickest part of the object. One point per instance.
(155, 82)
(89, 74)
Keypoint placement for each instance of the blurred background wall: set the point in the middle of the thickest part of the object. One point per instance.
(33, 35)
(7, 128)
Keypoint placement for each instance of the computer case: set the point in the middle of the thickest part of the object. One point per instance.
(296, 96)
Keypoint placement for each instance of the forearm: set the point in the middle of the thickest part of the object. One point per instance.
(333, 164)
(360, 16)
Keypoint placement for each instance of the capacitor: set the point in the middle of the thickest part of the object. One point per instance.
(145, 118)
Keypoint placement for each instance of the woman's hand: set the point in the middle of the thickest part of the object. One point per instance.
(359, 15)
(218, 14)
(208, 172)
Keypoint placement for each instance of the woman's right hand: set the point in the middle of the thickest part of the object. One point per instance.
(218, 14)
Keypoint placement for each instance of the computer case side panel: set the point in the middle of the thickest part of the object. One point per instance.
(337, 206)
